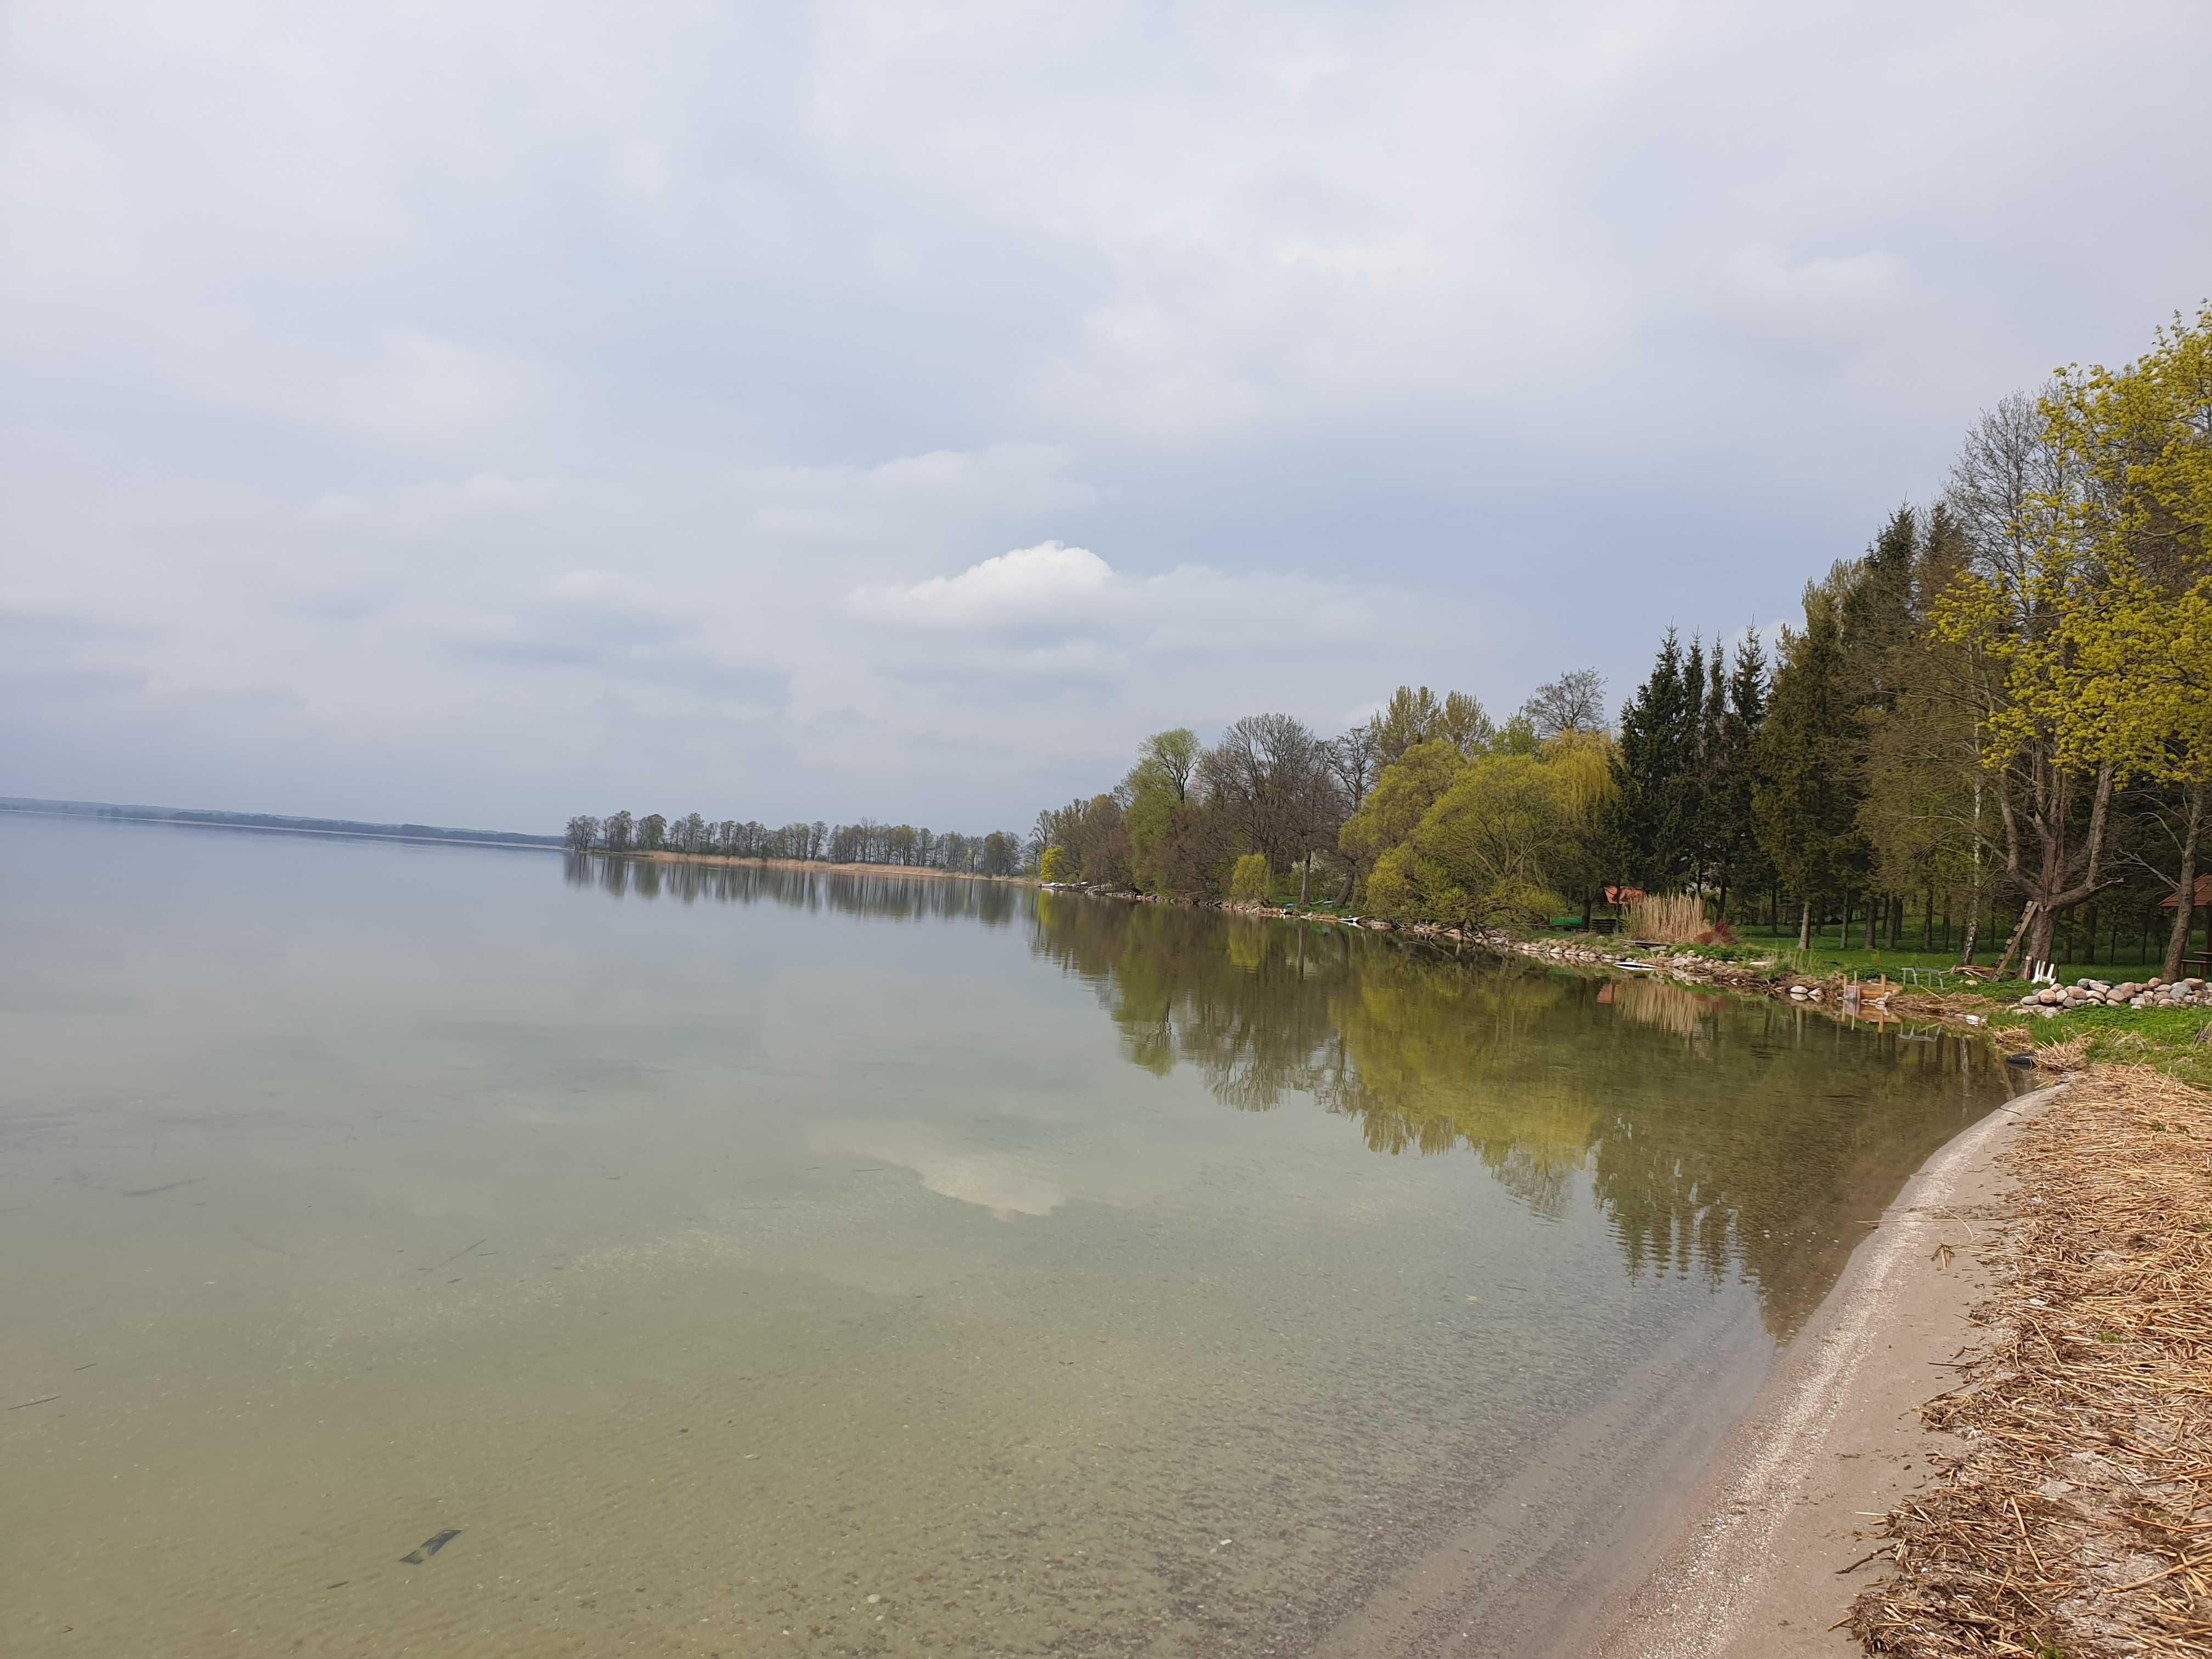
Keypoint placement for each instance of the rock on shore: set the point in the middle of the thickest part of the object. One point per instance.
(2129, 993)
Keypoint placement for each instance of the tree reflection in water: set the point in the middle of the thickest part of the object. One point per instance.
(890, 895)
(1717, 1134)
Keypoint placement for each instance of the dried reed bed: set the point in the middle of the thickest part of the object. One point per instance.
(2076, 1518)
(1667, 918)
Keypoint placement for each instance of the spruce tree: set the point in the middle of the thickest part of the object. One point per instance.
(1804, 803)
(1711, 838)
(1738, 862)
(1657, 735)
(1689, 810)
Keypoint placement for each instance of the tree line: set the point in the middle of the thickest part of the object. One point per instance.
(2000, 713)
(998, 853)
(1428, 809)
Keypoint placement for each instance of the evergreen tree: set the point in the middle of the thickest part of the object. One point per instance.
(1709, 796)
(1882, 647)
(1658, 735)
(1738, 864)
(1689, 809)
(1804, 803)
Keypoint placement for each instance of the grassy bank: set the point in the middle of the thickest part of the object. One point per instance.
(2164, 1039)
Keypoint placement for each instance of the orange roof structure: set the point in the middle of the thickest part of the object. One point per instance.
(2200, 901)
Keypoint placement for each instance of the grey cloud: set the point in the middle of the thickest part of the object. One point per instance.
(1359, 343)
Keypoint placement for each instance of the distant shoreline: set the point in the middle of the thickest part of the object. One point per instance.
(100, 813)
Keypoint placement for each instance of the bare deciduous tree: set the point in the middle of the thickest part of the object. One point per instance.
(1270, 779)
(1573, 702)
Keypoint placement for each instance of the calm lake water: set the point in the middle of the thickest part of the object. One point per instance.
(742, 1262)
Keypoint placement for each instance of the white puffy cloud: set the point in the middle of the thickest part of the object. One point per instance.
(1054, 590)
(1044, 584)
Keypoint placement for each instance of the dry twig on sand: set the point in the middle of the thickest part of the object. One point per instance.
(2077, 1517)
(2068, 1056)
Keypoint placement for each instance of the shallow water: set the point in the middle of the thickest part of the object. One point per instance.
(747, 1262)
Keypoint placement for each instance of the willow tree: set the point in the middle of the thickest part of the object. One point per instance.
(1486, 852)
(1587, 852)
(1406, 789)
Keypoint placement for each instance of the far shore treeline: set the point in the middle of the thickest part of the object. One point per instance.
(1992, 727)
(998, 853)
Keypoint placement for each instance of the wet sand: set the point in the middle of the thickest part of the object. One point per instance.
(1747, 1541)
(1778, 1539)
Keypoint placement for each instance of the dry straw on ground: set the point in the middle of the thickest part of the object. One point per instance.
(2074, 1517)
(2068, 1056)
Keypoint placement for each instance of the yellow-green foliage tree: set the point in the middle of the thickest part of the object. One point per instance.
(1248, 882)
(1406, 789)
(1156, 789)
(1589, 854)
(1484, 851)
(2089, 599)
(2137, 695)
(1053, 865)
(1415, 715)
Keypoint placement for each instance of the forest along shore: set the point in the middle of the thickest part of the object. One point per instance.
(2053, 1497)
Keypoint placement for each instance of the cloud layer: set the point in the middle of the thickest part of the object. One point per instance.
(489, 412)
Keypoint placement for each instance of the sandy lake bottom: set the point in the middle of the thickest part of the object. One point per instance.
(733, 1261)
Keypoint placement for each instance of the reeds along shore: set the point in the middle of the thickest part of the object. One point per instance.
(2075, 1518)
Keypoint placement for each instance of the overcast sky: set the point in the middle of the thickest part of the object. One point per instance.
(481, 413)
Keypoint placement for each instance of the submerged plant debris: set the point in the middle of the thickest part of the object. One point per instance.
(2076, 1517)
(429, 1546)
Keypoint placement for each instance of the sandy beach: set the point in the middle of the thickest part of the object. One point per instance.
(1773, 1545)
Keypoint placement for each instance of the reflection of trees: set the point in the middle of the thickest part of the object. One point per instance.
(1714, 1135)
(889, 896)
(1447, 1054)
(1244, 1002)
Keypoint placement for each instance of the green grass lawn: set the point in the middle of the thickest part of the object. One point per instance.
(1827, 958)
(2162, 1038)
(2132, 960)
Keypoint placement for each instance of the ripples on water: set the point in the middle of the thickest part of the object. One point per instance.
(1069, 1276)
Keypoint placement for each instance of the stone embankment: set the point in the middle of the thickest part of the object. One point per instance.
(2054, 1000)
(1845, 997)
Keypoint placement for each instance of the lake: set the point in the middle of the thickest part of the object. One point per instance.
(740, 1261)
